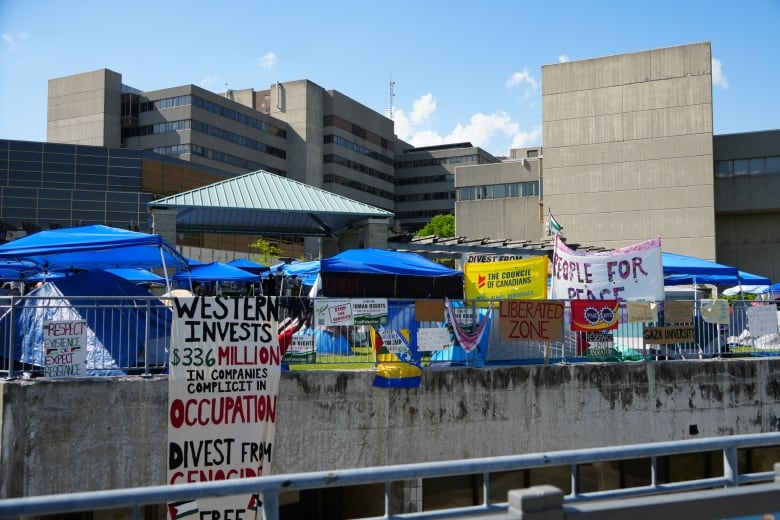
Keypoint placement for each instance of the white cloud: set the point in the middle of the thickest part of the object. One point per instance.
(422, 109)
(524, 139)
(12, 39)
(718, 78)
(209, 81)
(523, 77)
(268, 60)
(480, 130)
(563, 58)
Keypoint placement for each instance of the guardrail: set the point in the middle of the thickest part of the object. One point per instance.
(132, 336)
(273, 485)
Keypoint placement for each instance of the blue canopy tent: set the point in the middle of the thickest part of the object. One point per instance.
(137, 276)
(125, 330)
(215, 272)
(689, 270)
(306, 271)
(372, 273)
(249, 265)
(92, 247)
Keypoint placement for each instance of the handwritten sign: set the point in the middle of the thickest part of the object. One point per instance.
(676, 311)
(641, 312)
(629, 273)
(225, 366)
(432, 338)
(531, 320)
(65, 347)
(762, 319)
(669, 335)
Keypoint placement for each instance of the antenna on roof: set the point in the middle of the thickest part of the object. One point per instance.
(391, 98)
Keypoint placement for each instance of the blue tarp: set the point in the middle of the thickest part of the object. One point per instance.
(306, 271)
(117, 335)
(92, 247)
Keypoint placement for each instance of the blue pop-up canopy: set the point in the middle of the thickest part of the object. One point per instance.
(92, 247)
(382, 273)
(249, 265)
(689, 270)
(216, 272)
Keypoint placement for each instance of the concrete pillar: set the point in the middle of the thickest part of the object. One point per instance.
(164, 224)
(537, 503)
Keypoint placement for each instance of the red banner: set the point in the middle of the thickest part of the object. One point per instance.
(590, 315)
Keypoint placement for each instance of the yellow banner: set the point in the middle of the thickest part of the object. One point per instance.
(517, 279)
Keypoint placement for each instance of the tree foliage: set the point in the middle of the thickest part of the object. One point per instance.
(266, 250)
(440, 225)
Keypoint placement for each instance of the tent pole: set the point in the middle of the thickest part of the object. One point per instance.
(165, 270)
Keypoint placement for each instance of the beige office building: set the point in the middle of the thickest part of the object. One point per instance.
(628, 149)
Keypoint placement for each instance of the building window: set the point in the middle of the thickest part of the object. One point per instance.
(741, 167)
(723, 168)
(773, 164)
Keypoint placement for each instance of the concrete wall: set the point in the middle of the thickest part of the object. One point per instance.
(97, 433)
(628, 149)
(85, 109)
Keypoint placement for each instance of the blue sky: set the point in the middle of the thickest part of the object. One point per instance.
(462, 71)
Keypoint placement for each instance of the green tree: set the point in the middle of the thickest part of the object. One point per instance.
(265, 250)
(440, 225)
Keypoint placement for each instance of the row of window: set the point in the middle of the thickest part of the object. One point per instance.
(755, 166)
(358, 167)
(418, 197)
(429, 179)
(244, 141)
(418, 214)
(499, 191)
(356, 130)
(216, 108)
(433, 161)
(330, 178)
(355, 147)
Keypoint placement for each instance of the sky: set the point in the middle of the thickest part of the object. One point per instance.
(460, 71)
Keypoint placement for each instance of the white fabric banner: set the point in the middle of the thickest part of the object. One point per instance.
(629, 273)
(223, 386)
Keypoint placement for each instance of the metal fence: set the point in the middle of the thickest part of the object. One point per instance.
(731, 473)
(133, 336)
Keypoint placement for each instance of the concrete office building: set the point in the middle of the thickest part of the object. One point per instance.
(629, 149)
(501, 201)
(747, 210)
(629, 154)
(425, 181)
(296, 129)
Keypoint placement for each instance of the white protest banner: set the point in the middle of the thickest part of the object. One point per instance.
(225, 367)
(629, 273)
(65, 348)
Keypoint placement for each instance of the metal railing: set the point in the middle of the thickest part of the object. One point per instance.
(133, 335)
(272, 486)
